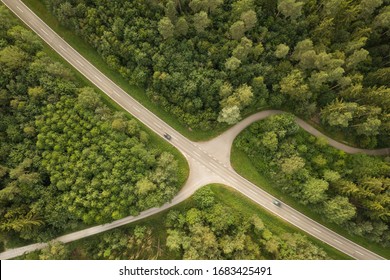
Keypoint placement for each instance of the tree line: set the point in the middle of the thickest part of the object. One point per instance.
(350, 190)
(205, 229)
(210, 62)
(66, 158)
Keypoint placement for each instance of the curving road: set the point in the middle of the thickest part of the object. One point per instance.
(221, 145)
(209, 161)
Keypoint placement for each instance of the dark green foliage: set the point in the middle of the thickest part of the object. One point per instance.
(312, 54)
(349, 190)
(119, 244)
(204, 227)
(219, 232)
(66, 158)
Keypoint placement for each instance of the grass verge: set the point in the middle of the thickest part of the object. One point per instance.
(243, 166)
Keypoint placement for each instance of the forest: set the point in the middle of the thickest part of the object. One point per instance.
(204, 227)
(67, 158)
(212, 62)
(350, 190)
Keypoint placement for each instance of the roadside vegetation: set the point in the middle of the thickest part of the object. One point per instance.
(202, 66)
(215, 223)
(68, 160)
(349, 191)
(208, 63)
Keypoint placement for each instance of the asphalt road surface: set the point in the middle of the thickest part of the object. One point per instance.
(209, 161)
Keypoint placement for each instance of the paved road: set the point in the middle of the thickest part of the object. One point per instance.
(221, 145)
(207, 165)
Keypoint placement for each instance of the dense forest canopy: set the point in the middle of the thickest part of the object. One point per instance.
(349, 190)
(214, 61)
(206, 229)
(65, 157)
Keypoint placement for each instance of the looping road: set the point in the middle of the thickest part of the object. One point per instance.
(209, 161)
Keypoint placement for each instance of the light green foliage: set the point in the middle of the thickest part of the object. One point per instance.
(12, 58)
(249, 18)
(54, 251)
(166, 28)
(339, 210)
(339, 113)
(302, 47)
(213, 5)
(232, 63)
(369, 127)
(181, 26)
(204, 198)
(121, 245)
(225, 90)
(197, 5)
(118, 27)
(36, 93)
(314, 190)
(292, 165)
(203, 41)
(66, 158)
(204, 5)
(331, 175)
(258, 50)
(237, 30)
(88, 99)
(295, 87)
(346, 189)
(357, 57)
(355, 45)
(145, 186)
(219, 232)
(290, 8)
(270, 141)
(364, 118)
(281, 50)
(241, 6)
(201, 21)
(296, 247)
(369, 6)
(25, 39)
(241, 97)
(243, 49)
(383, 19)
(230, 115)
(170, 11)
(324, 31)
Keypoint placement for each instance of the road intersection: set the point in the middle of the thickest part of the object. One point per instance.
(209, 161)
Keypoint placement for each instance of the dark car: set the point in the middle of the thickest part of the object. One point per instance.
(167, 136)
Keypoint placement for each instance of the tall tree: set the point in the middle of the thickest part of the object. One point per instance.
(237, 30)
(290, 8)
(249, 18)
(166, 28)
(339, 210)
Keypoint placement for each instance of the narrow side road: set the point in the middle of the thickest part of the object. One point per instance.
(206, 164)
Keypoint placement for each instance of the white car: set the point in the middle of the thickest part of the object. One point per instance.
(277, 202)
